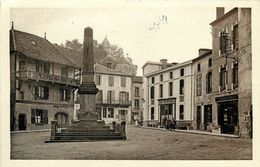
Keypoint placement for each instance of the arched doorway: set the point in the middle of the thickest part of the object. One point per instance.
(61, 118)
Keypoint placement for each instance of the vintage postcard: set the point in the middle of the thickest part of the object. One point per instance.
(129, 80)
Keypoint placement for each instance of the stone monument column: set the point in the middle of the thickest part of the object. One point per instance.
(88, 89)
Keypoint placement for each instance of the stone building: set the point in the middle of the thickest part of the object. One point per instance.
(232, 71)
(137, 98)
(167, 93)
(202, 92)
(113, 99)
(42, 83)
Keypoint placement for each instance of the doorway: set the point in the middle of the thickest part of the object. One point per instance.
(22, 121)
(207, 116)
(198, 117)
(228, 117)
(62, 119)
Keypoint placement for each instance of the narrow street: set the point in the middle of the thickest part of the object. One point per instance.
(141, 144)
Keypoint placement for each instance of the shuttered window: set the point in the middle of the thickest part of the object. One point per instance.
(64, 95)
(198, 84)
(161, 90)
(235, 75)
(209, 82)
(123, 81)
(41, 92)
(123, 96)
(104, 112)
(110, 80)
(111, 96)
(222, 78)
(235, 37)
(39, 116)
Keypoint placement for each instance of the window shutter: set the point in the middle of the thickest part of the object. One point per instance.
(61, 94)
(123, 81)
(46, 92)
(120, 96)
(36, 89)
(207, 89)
(33, 116)
(45, 116)
(68, 95)
(109, 96)
(113, 95)
(127, 96)
(110, 81)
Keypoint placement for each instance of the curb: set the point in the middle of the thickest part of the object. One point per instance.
(193, 132)
(30, 131)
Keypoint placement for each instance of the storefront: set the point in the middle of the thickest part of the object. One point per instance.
(228, 114)
(167, 109)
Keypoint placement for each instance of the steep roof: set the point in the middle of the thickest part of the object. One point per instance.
(37, 48)
(73, 55)
(105, 43)
(104, 70)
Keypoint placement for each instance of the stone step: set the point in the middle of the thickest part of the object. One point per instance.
(86, 138)
(87, 134)
(88, 131)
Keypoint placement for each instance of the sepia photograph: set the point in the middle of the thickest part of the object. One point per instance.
(137, 80)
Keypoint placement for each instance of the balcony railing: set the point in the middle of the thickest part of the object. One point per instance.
(113, 102)
(27, 74)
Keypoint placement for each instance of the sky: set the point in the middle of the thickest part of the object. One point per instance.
(145, 34)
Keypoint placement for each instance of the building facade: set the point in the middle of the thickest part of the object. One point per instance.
(113, 99)
(202, 92)
(42, 83)
(137, 98)
(168, 93)
(232, 71)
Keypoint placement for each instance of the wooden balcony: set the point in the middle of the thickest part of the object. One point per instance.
(33, 75)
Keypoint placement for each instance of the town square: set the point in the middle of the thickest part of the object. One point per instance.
(130, 83)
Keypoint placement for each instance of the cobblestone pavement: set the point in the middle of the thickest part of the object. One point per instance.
(141, 144)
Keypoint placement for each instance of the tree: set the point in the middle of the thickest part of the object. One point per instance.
(74, 44)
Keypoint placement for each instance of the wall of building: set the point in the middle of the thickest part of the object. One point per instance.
(26, 100)
(117, 85)
(117, 88)
(243, 56)
(137, 112)
(205, 98)
(245, 72)
(26, 108)
(166, 79)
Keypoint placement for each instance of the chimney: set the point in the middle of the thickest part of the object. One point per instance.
(203, 51)
(164, 63)
(220, 11)
(45, 35)
(12, 25)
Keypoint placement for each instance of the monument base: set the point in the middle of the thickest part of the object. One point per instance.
(87, 130)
